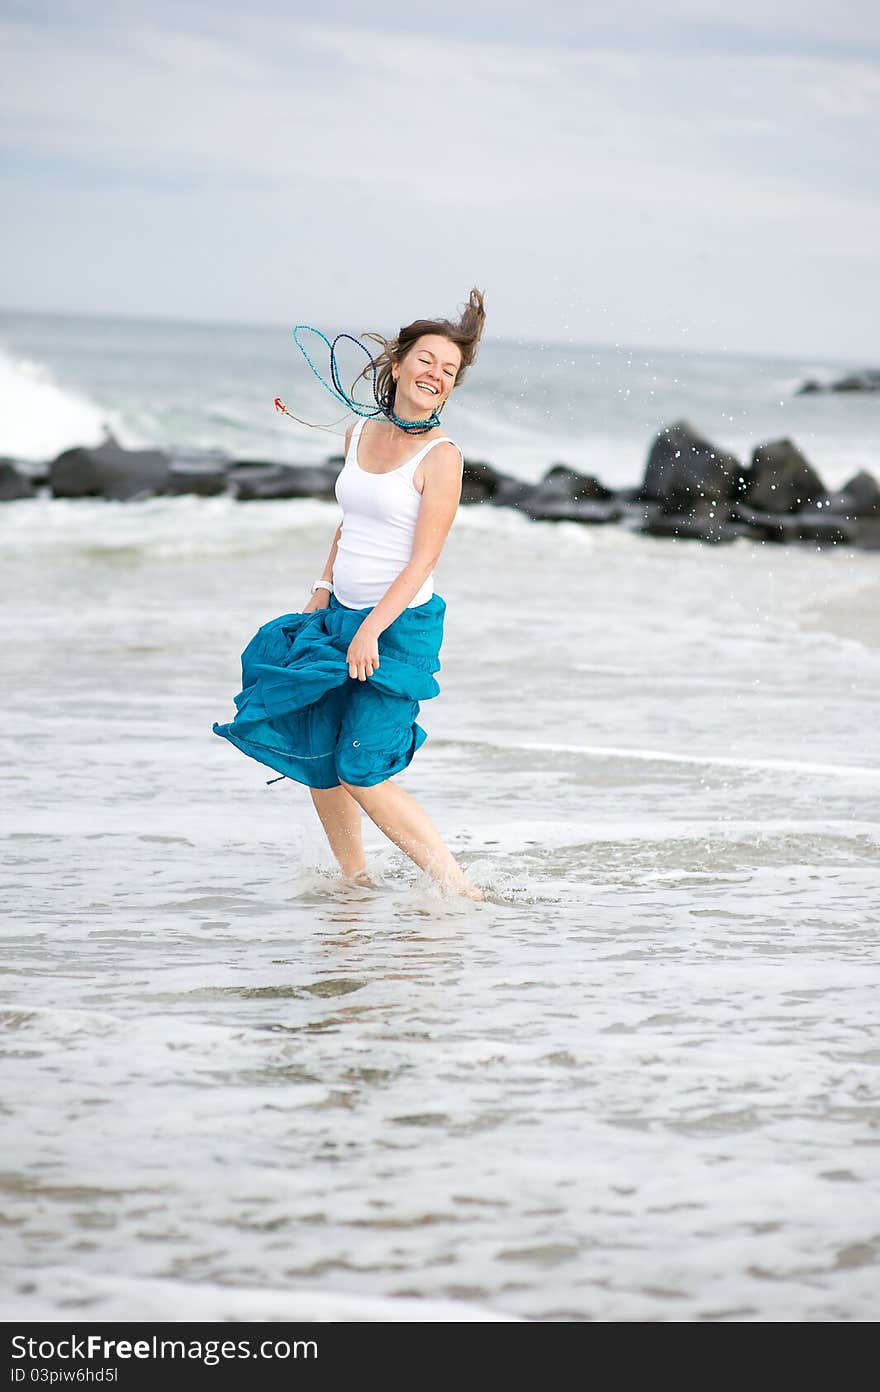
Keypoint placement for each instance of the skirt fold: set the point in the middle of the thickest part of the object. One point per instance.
(301, 714)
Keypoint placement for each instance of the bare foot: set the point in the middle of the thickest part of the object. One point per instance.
(472, 891)
(362, 879)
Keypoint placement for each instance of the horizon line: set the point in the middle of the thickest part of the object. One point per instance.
(499, 341)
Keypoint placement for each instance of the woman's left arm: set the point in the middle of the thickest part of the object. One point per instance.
(440, 498)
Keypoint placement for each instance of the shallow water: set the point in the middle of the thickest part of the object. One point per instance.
(640, 1083)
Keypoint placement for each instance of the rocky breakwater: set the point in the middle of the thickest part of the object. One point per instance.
(691, 489)
(109, 471)
(865, 381)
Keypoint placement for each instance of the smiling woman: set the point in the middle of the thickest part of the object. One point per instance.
(445, 336)
(330, 694)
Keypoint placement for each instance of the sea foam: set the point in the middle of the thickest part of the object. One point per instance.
(41, 418)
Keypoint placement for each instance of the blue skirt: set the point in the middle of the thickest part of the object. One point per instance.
(300, 713)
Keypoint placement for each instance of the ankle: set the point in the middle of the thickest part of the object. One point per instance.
(362, 878)
(350, 867)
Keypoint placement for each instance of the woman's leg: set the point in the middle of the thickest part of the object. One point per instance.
(341, 818)
(406, 824)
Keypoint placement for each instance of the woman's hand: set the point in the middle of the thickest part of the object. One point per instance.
(363, 652)
(319, 600)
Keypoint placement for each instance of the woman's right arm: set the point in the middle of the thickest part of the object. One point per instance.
(321, 598)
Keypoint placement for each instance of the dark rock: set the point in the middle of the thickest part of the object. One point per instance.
(781, 479)
(702, 527)
(868, 381)
(330, 467)
(821, 526)
(510, 493)
(252, 482)
(13, 484)
(564, 495)
(686, 473)
(36, 473)
(762, 526)
(810, 524)
(543, 506)
(205, 480)
(481, 482)
(636, 513)
(579, 487)
(866, 533)
(108, 471)
(860, 497)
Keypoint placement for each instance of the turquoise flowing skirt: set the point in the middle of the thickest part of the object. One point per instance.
(300, 713)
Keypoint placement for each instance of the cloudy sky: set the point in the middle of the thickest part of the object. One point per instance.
(685, 174)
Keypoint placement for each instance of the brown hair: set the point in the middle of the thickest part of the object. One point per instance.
(465, 333)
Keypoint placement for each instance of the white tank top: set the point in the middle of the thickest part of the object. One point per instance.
(378, 525)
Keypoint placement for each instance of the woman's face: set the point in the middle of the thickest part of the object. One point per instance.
(425, 376)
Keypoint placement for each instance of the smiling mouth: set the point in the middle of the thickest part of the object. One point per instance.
(425, 387)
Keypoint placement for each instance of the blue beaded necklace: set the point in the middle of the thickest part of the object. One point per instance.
(384, 401)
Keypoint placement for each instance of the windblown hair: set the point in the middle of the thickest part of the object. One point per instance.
(466, 333)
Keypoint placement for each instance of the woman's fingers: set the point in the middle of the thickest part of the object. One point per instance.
(363, 654)
(362, 667)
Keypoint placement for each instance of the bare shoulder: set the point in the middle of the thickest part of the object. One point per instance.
(445, 456)
(441, 470)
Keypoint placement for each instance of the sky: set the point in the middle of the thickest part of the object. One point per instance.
(691, 175)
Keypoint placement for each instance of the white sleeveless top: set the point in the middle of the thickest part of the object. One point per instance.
(378, 525)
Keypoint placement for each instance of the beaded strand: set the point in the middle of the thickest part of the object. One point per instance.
(383, 405)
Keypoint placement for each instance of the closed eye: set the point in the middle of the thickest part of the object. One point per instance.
(428, 362)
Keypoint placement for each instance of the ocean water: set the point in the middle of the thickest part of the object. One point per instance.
(210, 388)
(640, 1082)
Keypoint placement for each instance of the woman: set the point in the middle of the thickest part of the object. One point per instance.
(331, 694)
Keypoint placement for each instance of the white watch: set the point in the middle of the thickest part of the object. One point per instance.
(323, 585)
